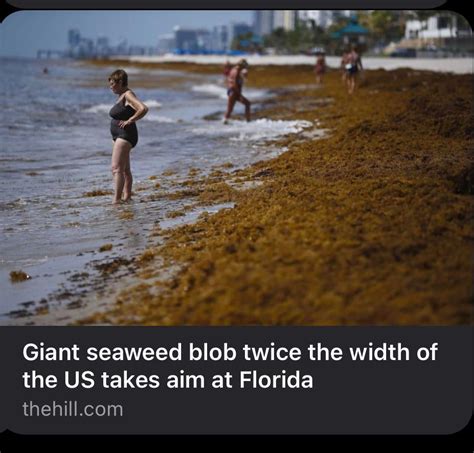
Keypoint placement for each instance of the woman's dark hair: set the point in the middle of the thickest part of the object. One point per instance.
(119, 76)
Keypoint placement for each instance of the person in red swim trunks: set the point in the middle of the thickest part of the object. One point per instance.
(234, 90)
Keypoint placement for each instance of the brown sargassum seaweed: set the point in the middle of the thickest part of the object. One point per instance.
(370, 225)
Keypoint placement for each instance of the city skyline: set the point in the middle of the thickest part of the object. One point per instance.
(23, 33)
(91, 34)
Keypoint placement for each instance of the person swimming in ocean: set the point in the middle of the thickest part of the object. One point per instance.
(125, 112)
(235, 81)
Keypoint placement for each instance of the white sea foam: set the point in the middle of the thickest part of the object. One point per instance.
(132, 71)
(152, 103)
(159, 118)
(220, 91)
(25, 262)
(212, 89)
(99, 108)
(253, 94)
(255, 131)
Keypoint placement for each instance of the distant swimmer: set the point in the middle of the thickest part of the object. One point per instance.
(45, 70)
(235, 81)
(320, 67)
(126, 111)
(344, 62)
(353, 66)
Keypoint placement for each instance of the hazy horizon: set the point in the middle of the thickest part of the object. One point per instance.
(23, 33)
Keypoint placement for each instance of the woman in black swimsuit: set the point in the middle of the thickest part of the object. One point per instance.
(124, 113)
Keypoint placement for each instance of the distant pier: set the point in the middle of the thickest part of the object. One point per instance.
(50, 54)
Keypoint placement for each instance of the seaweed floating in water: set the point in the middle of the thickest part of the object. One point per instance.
(19, 276)
(174, 214)
(112, 266)
(126, 215)
(97, 193)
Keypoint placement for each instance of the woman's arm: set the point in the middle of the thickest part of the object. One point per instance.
(140, 108)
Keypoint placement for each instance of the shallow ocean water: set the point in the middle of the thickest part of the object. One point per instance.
(56, 146)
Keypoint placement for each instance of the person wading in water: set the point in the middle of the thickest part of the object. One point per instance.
(125, 112)
(353, 66)
(234, 90)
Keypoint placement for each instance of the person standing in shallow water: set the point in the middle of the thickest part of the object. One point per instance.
(125, 112)
(320, 67)
(235, 83)
(353, 66)
(344, 62)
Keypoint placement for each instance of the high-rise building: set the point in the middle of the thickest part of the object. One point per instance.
(102, 41)
(86, 48)
(219, 38)
(263, 22)
(166, 43)
(102, 47)
(285, 19)
(74, 37)
(192, 40)
(322, 18)
(204, 39)
(185, 39)
(122, 47)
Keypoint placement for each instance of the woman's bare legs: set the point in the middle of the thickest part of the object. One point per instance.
(120, 160)
(350, 82)
(127, 188)
(231, 100)
(247, 104)
(353, 84)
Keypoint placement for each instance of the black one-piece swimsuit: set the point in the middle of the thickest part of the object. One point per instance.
(120, 112)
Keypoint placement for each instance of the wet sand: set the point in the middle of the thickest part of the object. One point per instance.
(371, 223)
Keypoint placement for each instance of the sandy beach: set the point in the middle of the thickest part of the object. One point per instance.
(364, 219)
(454, 65)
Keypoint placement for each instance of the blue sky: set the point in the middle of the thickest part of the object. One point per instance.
(24, 32)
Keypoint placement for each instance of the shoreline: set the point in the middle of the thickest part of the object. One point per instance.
(454, 65)
(81, 291)
(371, 224)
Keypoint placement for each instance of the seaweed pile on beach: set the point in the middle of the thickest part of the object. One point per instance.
(370, 224)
